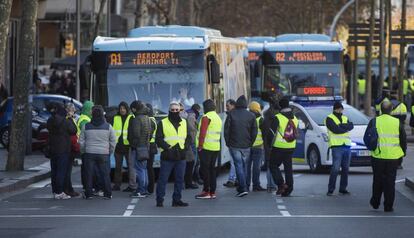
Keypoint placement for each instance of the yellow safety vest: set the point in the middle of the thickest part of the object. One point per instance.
(405, 87)
(388, 129)
(172, 136)
(80, 120)
(279, 142)
(213, 135)
(378, 106)
(119, 129)
(155, 129)
(400, 110)
(338, 139)
(259, 137)
(361, 86)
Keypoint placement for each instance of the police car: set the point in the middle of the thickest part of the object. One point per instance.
(312, 145)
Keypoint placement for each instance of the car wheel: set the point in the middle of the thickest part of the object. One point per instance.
(5, 137)
(314, 159)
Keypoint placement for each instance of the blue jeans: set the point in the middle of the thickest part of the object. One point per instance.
(102, 164)
(270, 181)
(232, 173)
(240, 156)
(141, 172)
(255, 160)
(341, 158)
(165, 170)
(58, 165)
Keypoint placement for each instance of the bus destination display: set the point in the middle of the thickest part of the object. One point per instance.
(307, 57)
(143, 58)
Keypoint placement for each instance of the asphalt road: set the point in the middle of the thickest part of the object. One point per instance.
(307, 213)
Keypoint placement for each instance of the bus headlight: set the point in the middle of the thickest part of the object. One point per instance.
(325, 137)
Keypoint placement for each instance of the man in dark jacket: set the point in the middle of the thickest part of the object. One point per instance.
(240, 131)
(60, 131)
(231, 181)
(120, 125)
(139, 135)
(173, 138)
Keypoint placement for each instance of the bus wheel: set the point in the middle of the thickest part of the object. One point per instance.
(314, 159)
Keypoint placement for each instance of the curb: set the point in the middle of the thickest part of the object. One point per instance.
(12, 185)
(409, 182)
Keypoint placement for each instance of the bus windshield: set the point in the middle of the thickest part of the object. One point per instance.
(287, 78)
(158, 86)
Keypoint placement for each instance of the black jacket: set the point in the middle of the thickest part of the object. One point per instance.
(60, 130)
(274, 125)
(341, 128)
(240, 129)
(139, 130)
(174, 153)
(403, 135)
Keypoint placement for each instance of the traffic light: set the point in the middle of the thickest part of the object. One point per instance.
(69, 50)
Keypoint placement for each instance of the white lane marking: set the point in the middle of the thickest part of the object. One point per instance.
(206, 216)
(297, 175)
(285, 213)
(281, 207)
(279, 200)
(127, 213)
(131, 207)
(134, 200)
(399, 180)
(41, 184)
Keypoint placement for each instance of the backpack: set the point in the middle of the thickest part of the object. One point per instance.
(290, 132)
(371, 137)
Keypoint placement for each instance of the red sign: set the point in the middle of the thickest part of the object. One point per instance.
(315, 91)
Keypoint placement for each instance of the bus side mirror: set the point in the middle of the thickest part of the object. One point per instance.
(213, 69)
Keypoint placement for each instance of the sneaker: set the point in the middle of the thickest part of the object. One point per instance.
(73, 194)
(229, 184)
(281, 189)
(87, 197)
(138, 195)
(179, 204)
(241, 194)
(213, 195)
(159, 204)
(129, 190)
(329, 194)
(203, 195)
(191, 186)
(98, 193)
(61, 196)
(373, 204)
(258, 189)
(116, 188)
(388, 209)
(107, 197)
(270, 190)
(344, 192)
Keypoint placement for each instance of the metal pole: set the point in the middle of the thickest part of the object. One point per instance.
(368, 86)
(402, 47)
(336, 18)
(355, 75)
(389, 22)
(78, 13)
(108, 18)
(382, 50)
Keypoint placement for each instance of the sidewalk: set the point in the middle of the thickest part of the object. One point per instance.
(36, 168)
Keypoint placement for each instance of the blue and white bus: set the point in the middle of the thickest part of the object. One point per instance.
(297, 61)
(160, 64)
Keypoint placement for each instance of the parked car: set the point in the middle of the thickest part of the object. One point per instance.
(40, 115)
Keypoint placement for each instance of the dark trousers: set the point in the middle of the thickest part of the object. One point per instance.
(58, 167)
(208, 167)
(188, 176)
(68, 188)
(151, 174)
(119, 158)
(102, 165)
(96, 183)
(385, 172)
(278, 157)
(166, 168)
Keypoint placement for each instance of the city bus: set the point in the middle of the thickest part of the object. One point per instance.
(297, 61)
(255, 46)
(160, 64)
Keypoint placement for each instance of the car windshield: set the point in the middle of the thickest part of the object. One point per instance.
(319, 114)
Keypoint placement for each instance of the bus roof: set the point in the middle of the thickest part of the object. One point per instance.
(258, 39)
(174, 30)
(302, 38)
(303, 46)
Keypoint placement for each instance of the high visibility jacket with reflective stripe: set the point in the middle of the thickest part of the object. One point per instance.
(213, 135)
(279, 142)
(405, 86)
(259, 137)
(400, 110)
(121, 129)
(338, 139)
(80, 120)
(388, 129)
(155, 129)
(378, 106)
(172, 136)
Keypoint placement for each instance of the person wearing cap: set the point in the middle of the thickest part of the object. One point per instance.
(338, 126)
(254, 162)
(391, 146)
(240, 131)
(282, 150)
(208, 146)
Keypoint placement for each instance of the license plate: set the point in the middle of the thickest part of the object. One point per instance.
(364, 153)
